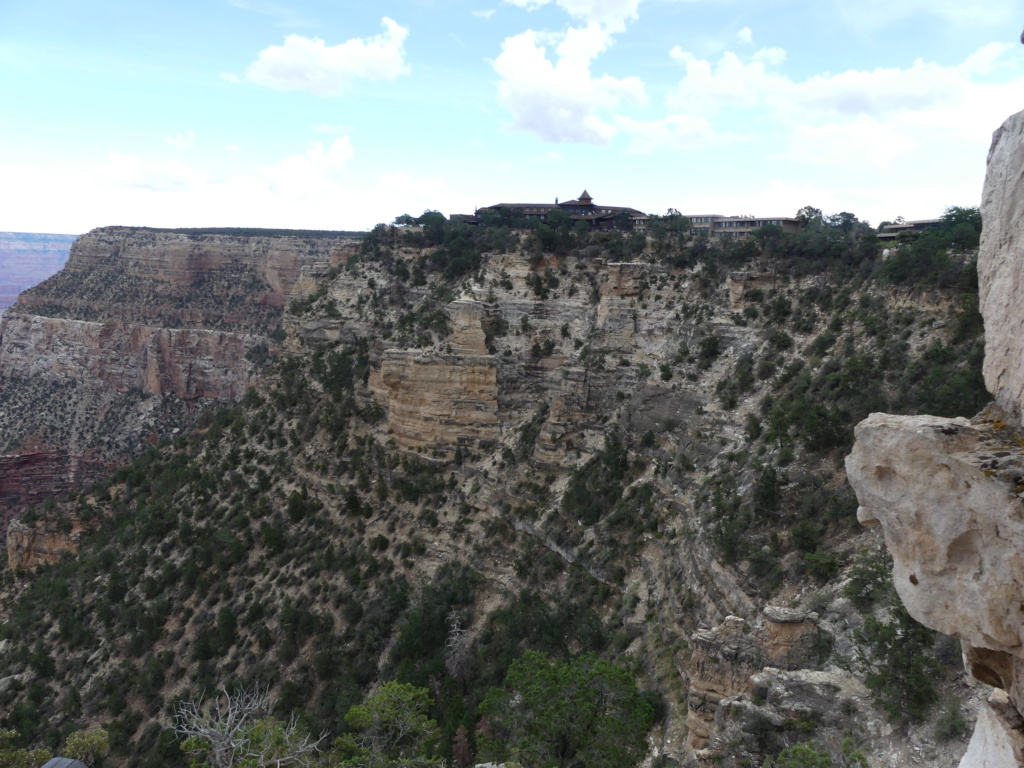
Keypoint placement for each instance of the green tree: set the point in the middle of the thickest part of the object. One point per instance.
(583, 713)
(392, 730)
(808, 216)
(434, 224)
(963, 226)
(13, 757)
(901, 672)
(811, 755)
(87, 746)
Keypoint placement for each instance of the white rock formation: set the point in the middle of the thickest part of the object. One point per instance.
(990, 746)
(945, 492)
(1001, 265)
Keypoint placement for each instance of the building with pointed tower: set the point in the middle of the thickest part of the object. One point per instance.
(582, 209)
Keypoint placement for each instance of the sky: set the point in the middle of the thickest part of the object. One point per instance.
(317, 114)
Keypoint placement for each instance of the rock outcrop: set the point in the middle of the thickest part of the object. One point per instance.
(442, 400)
(437, 400)
(180, 278)
(949, 493)
(725, 661)
(1001, 265)
(741, 282)
(29, 546)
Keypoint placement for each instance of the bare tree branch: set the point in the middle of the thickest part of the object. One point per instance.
(234, 730)
(458, 655)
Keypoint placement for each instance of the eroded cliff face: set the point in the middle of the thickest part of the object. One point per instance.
(188, 363)
(141, 331)
(30, 545)
(949, 493)
(436, 401)
(725, 659)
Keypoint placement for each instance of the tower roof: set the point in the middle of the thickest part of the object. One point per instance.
(585, 197)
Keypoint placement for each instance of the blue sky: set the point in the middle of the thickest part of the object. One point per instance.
(339, 115)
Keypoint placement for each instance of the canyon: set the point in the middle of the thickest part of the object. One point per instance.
(339, 444)
(26, 259)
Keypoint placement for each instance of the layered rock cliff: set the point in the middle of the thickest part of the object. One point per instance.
(141, 330)
(948, 494)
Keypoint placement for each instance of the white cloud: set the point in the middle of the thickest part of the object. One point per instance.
(181, 140)
(885, 107)
(679, 132)
(735, 82)
(316, 188)
(745, 35)
(731, 82)
(309, 175)
(870, 141)
(306, 64)
(483, 14)
(560, 100)
(875, 14)
(611, 14)
(328, 128)
(411, 194)
(875, 92)
(127, 171)
(316, 175)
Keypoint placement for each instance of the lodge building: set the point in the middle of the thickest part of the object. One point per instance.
(580, 209)
(714, 225)
(621, 217)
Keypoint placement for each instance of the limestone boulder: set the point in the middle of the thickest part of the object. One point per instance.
(948, 496)
(997, 741)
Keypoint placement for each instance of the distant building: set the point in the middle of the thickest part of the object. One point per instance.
(714, 225)
(581, 209)
(892, 231)
(64, 762)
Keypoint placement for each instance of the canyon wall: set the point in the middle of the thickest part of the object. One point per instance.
(949, 493)
(142, 330)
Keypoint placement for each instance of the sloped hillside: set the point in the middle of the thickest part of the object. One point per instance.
(564, 441)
